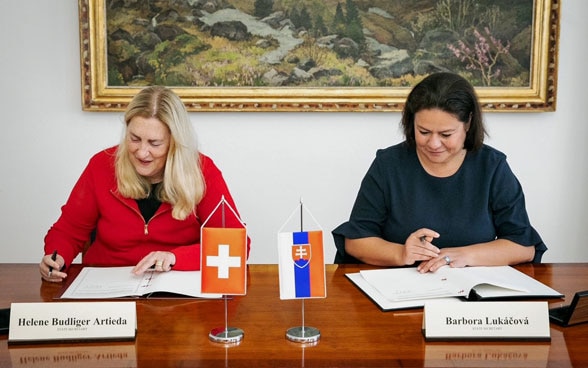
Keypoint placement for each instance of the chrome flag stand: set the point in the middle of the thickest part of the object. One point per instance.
(304, 252)
(303, 334)
(221, 262)
(226, 335)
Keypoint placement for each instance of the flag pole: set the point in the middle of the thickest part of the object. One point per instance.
(301, 230)
(226, 335)
(301, 215)
(302, 333)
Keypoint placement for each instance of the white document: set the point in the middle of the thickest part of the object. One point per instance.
(384, 303)
(407, 286)
(117, 282)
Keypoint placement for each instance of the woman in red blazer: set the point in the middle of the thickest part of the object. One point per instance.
(141, 203)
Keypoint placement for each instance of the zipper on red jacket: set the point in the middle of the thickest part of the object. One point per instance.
(146, 227)
(157, 213)
(146, 223)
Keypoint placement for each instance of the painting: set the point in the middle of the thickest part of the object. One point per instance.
(317, 55)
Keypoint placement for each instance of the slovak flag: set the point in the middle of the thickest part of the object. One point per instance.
(223, 258)
(301, 265)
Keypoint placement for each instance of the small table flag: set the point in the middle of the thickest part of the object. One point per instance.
(301, 265)
(223, 257)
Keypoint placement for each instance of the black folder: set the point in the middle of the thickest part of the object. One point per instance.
(573, 314)
(4, 320)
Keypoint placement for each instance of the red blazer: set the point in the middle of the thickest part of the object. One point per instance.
(122, 236)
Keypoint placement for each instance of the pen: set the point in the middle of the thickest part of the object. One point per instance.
(53, 257)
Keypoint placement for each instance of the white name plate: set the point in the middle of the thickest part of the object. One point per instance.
(486, 321)
(71, 321)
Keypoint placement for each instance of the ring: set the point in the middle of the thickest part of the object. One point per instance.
(49, 274)
(447, 260)
(159, 264)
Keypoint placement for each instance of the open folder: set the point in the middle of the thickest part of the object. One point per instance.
(120, 282)
(398, 288)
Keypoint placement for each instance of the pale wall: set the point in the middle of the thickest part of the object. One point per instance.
(270, 160)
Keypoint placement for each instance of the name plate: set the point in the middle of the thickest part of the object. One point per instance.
(486, 321)
(71, 321)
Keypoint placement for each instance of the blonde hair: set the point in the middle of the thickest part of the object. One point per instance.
(183, 183)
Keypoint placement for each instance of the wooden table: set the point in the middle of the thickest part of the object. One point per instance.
(354, 332)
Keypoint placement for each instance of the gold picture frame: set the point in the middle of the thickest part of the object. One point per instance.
(537, 95)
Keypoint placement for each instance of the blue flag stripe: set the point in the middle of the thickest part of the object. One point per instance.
(302, 277)
(300, 238)
(301, 269)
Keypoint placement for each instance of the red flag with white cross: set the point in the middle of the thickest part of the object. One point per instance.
(224, 255)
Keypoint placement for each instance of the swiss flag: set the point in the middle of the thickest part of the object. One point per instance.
(223, 260)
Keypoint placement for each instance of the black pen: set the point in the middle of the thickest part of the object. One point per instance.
(53, 257)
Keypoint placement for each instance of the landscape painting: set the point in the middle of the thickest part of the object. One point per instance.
(316, 55)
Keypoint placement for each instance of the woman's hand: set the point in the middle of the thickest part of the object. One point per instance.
(498, 252)
(159, 261)
(50, 268)
(418, 246)
(452, 257)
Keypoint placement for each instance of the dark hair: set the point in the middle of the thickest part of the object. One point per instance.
(450, 93)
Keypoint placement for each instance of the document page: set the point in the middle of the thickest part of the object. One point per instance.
(384, 303)
(400, 284)
(506, 281)
(116, 282)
